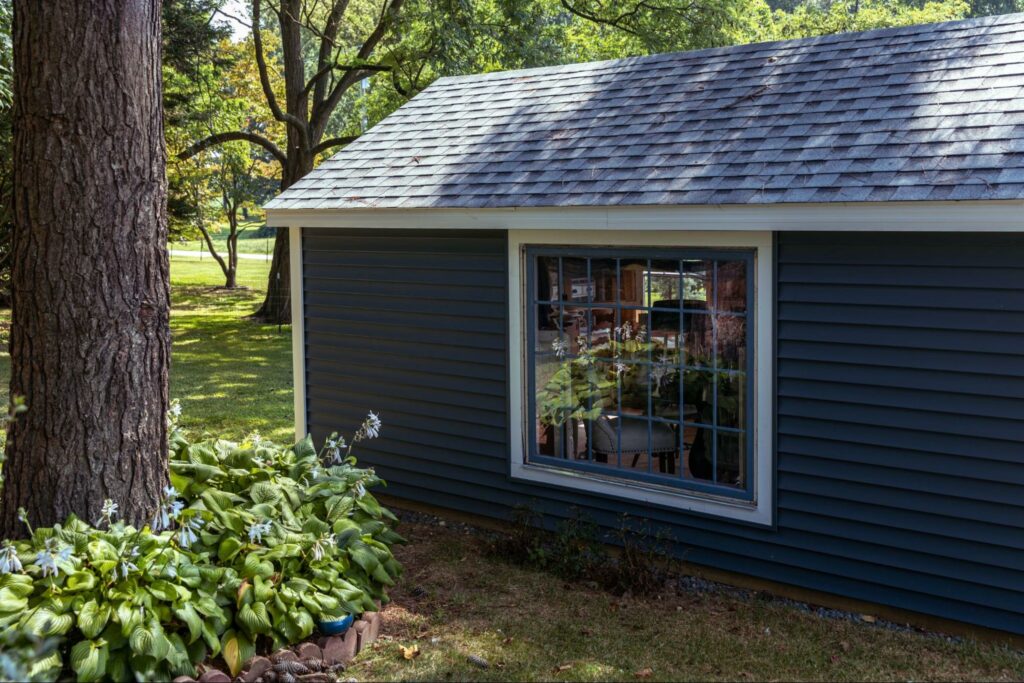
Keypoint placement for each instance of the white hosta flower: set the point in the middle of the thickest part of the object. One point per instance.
(187, 533)
(560, 347)
(641, 334)
(371, 427)
(51, 554)
(170, 508)
(335, 446)
(173, 414)
(360, 489)
(255, 439)
(125, 568)
(107, 513)
(319, 550)
(257, 530)
(315, 472)
(620, 367)
(9, 562)
(583, 343)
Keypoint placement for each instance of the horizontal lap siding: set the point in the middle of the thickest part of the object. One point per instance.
(900, 388)
(900, 404)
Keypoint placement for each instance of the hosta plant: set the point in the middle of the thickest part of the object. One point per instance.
(251, 545)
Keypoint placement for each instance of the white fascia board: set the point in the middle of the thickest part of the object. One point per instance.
(298, 330)
(976, 216)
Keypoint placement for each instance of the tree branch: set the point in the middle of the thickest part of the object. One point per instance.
(334, 142)
(324, 60)
(234, 136)
(322, 110)
(261, 66)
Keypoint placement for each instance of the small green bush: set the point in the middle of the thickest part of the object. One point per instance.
(252, 545)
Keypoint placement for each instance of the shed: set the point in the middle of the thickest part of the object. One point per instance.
(769, 297)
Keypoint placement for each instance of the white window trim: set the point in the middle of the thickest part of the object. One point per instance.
(761, 509)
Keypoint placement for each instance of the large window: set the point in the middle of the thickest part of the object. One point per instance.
(640, 365)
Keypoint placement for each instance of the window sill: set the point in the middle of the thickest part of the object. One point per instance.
(644, 493)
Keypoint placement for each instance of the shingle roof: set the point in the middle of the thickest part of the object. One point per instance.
(933, 112)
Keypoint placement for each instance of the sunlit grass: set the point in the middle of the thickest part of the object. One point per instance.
(231, 375)
(248, 241)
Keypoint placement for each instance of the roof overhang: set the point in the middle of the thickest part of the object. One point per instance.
(965, 216)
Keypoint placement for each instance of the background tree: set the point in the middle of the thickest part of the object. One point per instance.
(90, 341)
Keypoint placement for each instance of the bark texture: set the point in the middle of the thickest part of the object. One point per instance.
(90, 338)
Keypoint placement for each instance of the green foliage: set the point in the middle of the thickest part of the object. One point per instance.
(265, 542)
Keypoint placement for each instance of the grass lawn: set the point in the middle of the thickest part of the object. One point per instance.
(457, 600)
(248, 242)
(231, 375)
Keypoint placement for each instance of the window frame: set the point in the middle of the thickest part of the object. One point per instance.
(754, 505)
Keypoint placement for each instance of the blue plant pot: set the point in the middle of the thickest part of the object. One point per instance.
(337, 626)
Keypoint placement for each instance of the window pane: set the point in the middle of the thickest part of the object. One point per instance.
(732, 286)
(632, 283)
(698, 339)
(665, 390)
(604, 273)
(546, 330)
(602, 326)
(547, 278)
(697, 444)
(633, 381)
(666, 283)
(576, 286)
(697, 284)
(731, 400)
(554, 403)
(732, 341)
(730, 459)
(698, 396)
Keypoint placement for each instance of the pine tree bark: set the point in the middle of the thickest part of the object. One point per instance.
(90, 338)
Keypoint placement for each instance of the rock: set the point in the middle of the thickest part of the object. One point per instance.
(309, 651)
(340, 649)
(373, 619)
(184, 679)
(317, 678)
(257, 667)
(362, 631)
(214, 676)
(284, 655)
(291, 666)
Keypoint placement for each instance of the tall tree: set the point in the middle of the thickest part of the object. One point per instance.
(90, 338)
(344, 56)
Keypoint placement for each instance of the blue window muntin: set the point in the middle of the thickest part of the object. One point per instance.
(678, 481)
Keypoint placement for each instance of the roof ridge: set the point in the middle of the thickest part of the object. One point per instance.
(810, 41)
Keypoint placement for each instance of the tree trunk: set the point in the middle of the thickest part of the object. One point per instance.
(90, 338)
(276, 308)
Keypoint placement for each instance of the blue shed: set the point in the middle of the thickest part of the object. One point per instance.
(770, 297)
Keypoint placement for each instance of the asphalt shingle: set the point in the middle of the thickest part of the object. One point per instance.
(917, 113)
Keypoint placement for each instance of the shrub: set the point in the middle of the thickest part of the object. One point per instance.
(252, 544)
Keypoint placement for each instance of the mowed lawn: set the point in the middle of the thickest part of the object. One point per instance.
(458, 599)
(232, 376)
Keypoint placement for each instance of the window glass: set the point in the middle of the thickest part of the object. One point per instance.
(640, 365)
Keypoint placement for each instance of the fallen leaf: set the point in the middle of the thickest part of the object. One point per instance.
(562, 667)
(845, 646)
(867, 618)
(411, 652)
(645, 672)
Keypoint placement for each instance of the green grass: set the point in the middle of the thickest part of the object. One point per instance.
(457, 600)
(248, 242)
(231, 375)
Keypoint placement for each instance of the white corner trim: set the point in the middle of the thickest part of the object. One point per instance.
(973, 216)
(761, 511)
(298, 329)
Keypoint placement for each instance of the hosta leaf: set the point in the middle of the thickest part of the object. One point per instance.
(11, 602)
(255, 565)
(236, 650)
(229, 547)
(93, 618)
(207, 606)
(80, 581)
(46, 668)
(187, 613)
(305, 450)
(211, 638)
(89, 660)
(45, 622)
(179, 658)
(303, 622)
(364, 557)
(20, 585)
(264, 492)
(141, 640)
(254, 618)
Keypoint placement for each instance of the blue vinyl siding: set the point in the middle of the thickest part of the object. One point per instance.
(900, 405)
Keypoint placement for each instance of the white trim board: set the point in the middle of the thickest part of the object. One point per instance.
(298, 330)
(995, 216)
(761, 511)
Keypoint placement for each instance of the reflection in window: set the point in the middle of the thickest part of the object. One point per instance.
(640, 363)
